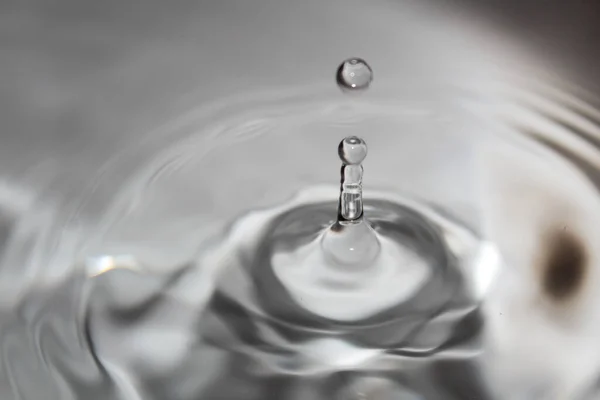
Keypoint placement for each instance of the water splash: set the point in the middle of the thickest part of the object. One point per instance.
(158, 332)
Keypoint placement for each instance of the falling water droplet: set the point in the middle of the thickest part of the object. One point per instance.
(354, 74)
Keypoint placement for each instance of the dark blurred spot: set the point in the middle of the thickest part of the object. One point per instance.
(6, 225)
(337, 227)
(564, 266)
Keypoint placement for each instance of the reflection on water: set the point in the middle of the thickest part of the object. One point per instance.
(179, 273)
(202, 309)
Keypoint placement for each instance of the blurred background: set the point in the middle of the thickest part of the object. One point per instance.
(78, 79)
(85, 82)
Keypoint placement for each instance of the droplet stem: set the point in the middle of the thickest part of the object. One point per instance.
(352, 151)
(350, 208)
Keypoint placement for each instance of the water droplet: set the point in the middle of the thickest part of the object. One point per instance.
(352, 150)
(354, 74)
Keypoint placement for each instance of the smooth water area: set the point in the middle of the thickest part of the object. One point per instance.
(201, 280)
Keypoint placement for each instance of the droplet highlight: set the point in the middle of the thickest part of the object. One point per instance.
(354, 74)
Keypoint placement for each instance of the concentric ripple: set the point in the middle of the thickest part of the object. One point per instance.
(147, 306)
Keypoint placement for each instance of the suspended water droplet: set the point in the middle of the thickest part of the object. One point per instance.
(352, 150)
(354, 74)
